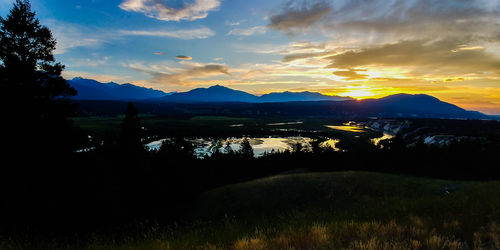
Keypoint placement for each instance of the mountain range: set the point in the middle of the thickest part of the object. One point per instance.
(215, 99)
(89, 89)
(219, 93)
(93, 90)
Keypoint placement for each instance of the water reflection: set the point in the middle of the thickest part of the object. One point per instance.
(348, 128)
(330, 143)
(204, 147)
(386, 136)
(284, 123)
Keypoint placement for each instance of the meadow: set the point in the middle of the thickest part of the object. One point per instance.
(342, 210)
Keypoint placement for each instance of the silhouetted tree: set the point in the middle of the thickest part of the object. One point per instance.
(30, 81)
(316, 146)
(35, 104)
(246, 149)
(130, 138)
(297, 147)
(228, 148)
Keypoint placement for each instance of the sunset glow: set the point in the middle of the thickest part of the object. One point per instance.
(449, 50)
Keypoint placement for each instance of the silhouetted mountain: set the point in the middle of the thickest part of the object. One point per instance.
(213, 100)
(219, 93)
(419, 105)
(89, 89)
(215, 93)
(402, 105)
(299, 96)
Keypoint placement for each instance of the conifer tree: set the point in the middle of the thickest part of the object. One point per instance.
(246, 149)
(32, 90)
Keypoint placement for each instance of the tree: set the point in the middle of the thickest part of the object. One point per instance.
(130, 139)
(35, 127)
(246, 149)
(31, 85)
(297, 148)
(228, 148)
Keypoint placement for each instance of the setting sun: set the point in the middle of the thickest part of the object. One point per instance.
(358, 94)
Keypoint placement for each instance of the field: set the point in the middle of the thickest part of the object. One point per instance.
(349, 210)
(223, 127)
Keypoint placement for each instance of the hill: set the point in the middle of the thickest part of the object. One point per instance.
(89, 89)
(422, 107)
(219, 93)
(343, 210)
(215, 93)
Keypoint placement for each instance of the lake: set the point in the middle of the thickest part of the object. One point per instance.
(205, 147)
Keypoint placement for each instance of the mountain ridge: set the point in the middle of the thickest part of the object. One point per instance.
(89, 89)
(300, 103)
(218, 93)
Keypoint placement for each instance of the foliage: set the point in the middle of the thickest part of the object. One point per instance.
(37, 137)
(130, 138)
(31, 84)
(246, 150)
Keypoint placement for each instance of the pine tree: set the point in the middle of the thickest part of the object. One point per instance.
(35, 127)
(130, 139)
(246, 149)
(31, 85)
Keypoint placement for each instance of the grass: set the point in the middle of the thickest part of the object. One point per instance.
(281, 207)
(347, 210)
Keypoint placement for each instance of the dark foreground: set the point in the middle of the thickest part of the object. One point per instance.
(350, 210)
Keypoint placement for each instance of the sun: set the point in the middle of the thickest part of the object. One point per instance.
(358, 92)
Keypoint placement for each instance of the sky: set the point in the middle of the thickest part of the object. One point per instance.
(361, 48)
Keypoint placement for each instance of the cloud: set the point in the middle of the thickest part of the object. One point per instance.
(422, 57)
(181, 57)
(159, 53)
(89, 62)
(164, 74)
(298, 16)
(70, 74)
(257, 30)
(228, 23)
(186, 34)
(160, 10)
(350, 75)
(69, 36)
(299, 56)
(382, 21)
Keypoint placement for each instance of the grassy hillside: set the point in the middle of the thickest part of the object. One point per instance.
(284, 206)
(352, 210)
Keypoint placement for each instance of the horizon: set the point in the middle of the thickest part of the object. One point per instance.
(285, 91)
(448, 50)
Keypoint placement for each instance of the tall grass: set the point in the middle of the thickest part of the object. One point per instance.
(321, 211)
(413, 233)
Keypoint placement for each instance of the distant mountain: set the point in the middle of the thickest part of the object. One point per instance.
(397, 106)
(89, 89)
(299, 96)
(219, 93)
(212, 99)
(419, 105)
(215, 93)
